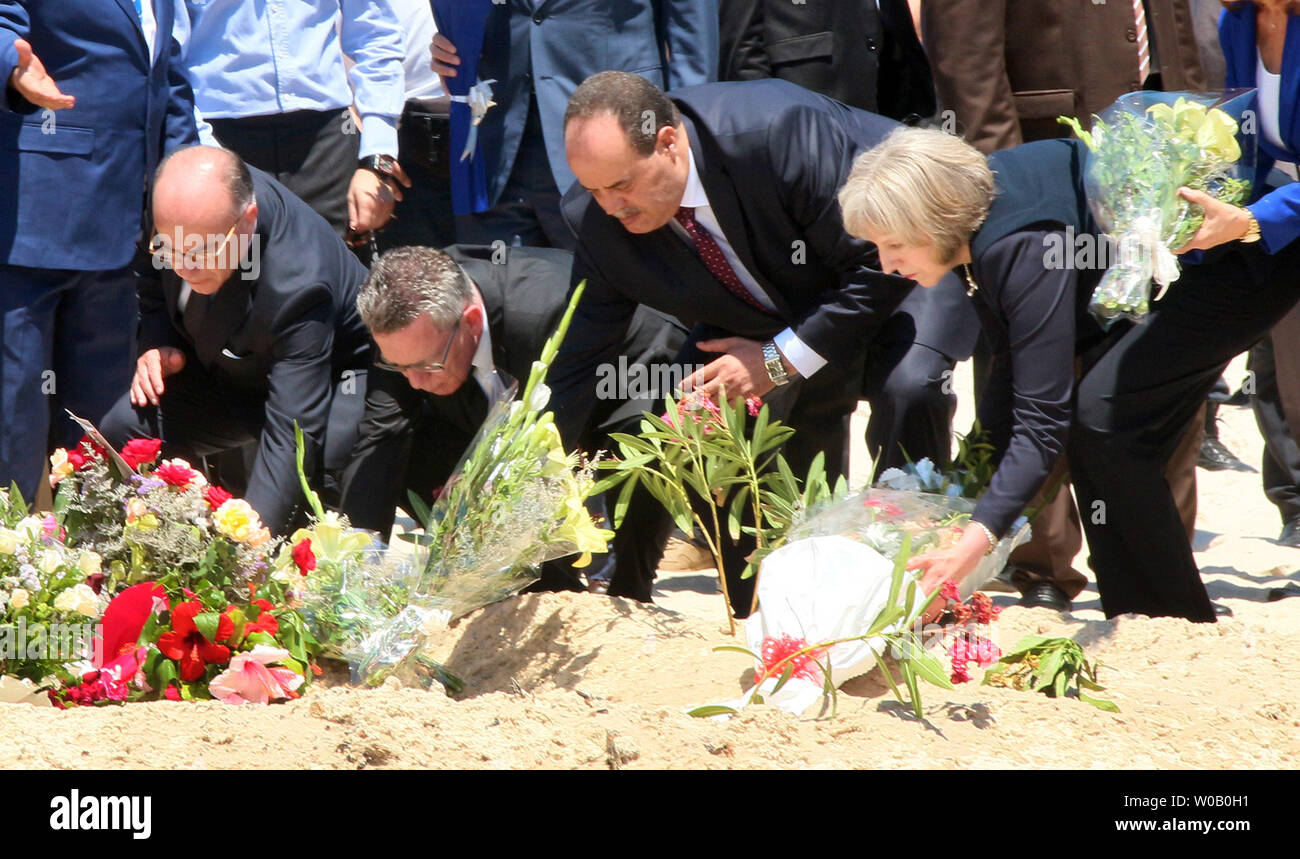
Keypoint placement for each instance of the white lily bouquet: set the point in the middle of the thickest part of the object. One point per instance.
(1144, 148)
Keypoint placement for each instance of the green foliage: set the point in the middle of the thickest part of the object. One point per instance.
(706, 450)
(1048, 665)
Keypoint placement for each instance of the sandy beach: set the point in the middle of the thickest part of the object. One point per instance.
(583, 681)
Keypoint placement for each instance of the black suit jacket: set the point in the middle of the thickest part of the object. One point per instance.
(854, 51)
(1035, 312)
(414, 439)
(286, 336)
(772, 157)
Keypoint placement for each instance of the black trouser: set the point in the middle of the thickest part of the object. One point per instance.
(1133, 405)
(423, 216)
(1281, 465)
(312, 153)
(818, 408)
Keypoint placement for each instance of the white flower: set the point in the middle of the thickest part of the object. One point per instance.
(80, 599)
(66, 601)
(4, 598)
(49, 561)
(18, 599)
(8, 541)
(541, 396)
(90, 563)
(87, 600)
(29, 528)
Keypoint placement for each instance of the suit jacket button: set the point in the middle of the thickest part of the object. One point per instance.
(537, 19)
(1131, 34)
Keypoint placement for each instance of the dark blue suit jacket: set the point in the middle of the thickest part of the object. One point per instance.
(72, 182)
(1278, 212)
(556, 45)
(772, 157)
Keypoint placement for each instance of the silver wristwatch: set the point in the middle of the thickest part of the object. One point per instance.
(775, 367)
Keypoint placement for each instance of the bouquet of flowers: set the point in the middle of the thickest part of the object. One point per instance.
(515, 500)
(1144, 148)
(838, 596)
(48, 604)
(181, 572)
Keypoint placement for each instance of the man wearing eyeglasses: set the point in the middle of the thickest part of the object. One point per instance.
(252, 327)
(454, 329)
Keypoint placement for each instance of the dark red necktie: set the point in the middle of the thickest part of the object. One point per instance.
(714, 260)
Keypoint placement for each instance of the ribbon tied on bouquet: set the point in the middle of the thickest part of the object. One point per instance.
(1142, 245)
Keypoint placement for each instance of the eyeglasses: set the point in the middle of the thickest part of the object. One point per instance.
(427, 367)
(161, 247)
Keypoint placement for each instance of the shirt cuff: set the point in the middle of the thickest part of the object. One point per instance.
(378, 135)
(800, 356)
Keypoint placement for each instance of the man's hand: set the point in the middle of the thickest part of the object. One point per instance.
(742, 371)
(371, 199)
(445, 58)
(150, 370)
(1223, 222)
(32, 82)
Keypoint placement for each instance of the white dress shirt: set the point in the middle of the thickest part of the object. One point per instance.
(484, 367)
(798, 353)
(278, 56)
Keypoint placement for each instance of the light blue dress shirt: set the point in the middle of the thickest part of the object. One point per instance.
(278, 56)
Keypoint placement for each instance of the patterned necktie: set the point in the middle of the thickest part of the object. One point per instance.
(1143, 42)
(714, 260)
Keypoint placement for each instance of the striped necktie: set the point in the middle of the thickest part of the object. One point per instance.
(1143, 41)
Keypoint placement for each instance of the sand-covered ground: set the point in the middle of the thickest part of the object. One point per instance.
(582, 681)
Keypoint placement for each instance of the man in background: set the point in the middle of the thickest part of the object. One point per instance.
(92, 99)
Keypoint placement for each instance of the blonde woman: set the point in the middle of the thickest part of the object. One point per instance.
(1016, 229)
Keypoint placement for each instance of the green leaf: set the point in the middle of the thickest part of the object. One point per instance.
(1024, 645)
(889, 677)
(1100, 703)
(930, 669)
(737, 512)
(1048, 668)
(785, 676)
(909, 676)
(419, 509)
(738, 649)
(1060, 687)
(1085, 683)
(624, 495)
(207, 624)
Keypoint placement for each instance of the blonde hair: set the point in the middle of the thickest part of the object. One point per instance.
(920, 186)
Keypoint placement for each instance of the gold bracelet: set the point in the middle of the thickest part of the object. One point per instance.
(1252, 228)
(993, 541)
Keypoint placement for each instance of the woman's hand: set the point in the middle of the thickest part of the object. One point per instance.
(1223, 222)
(952, 564)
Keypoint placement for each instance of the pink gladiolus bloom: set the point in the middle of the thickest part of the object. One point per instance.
(249, 680)
(753, 405)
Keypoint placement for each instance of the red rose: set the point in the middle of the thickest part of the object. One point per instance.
(303, 557)
(77, 459)
(175, 475)
(217, 496)
(172, 693)
(141, 451)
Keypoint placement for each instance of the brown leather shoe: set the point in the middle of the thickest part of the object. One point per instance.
(682, 556)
